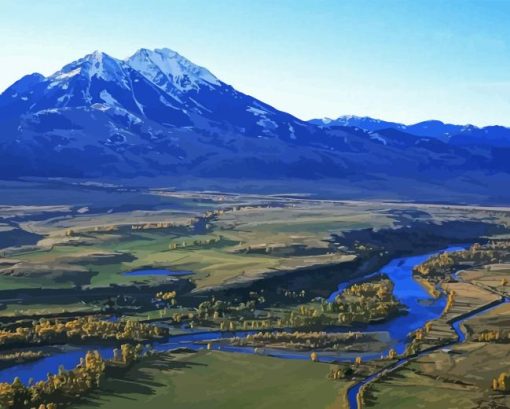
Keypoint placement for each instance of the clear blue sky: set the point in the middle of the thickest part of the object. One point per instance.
(396, 60)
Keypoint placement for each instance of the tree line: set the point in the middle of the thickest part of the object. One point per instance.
(67, 386)
(79, 329)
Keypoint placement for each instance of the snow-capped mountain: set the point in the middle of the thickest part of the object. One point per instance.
(156, 102)
(158, 114)
(157, 85)
(171, 72)
(362, 122)
(456, 134)
(96, 82)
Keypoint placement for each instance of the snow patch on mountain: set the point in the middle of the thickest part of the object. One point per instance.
(257, 111)
(171, 71)
(65, 75)
(292, 132)
(379, 138)
(106, 97)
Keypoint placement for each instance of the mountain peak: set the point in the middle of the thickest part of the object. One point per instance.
(96, 55)
(171, 71)
(97, 65)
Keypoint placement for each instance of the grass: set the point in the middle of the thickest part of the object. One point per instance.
(250, 241)
(224, 259)
(458, 380)
(13, 310)
(408, 390)
(13, 283)
(494, 320)
(490, 276)
(217, 380)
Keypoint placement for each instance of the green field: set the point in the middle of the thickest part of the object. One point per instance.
(217, 380)
(457, 377)
(241, 243)
(457, 380)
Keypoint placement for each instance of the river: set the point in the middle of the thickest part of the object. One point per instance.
(352, 393)
(421, 308)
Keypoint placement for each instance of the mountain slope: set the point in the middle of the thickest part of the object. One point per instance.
(156, 114)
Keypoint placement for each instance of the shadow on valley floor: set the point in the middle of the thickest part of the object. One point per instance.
(138, 381)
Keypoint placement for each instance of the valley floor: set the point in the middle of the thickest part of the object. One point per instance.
(219, 380)
(258, 263)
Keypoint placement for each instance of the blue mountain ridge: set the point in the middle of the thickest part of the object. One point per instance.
(462, 135)
(156, 114)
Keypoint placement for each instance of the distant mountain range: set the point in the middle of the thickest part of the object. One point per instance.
(464, 135)
(157, 115)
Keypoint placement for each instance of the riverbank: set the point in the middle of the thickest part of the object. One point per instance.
(451, 362)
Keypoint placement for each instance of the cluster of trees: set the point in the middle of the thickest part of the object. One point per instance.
(211, 214)
(449, 302)
(250, 324)
(21, 356)
(338, 373)
(439, 265)
(301, 340)
(80, 329)
(294, 319)
(417, 337)
(152, 226)
(102, 229)
(66, 386)
(18, 336)
(443, 264)
(492, 336)
(62, 387)
(127, 354)
(216, 309)
(232, 315)
(362, 248)
(381, 289)
(361, 303)
(195, 243)
(179, 317)
(166, 296)
(501, 383)
(292, 294)
(365, 302)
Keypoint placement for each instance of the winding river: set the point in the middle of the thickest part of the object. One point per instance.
(421, 308)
